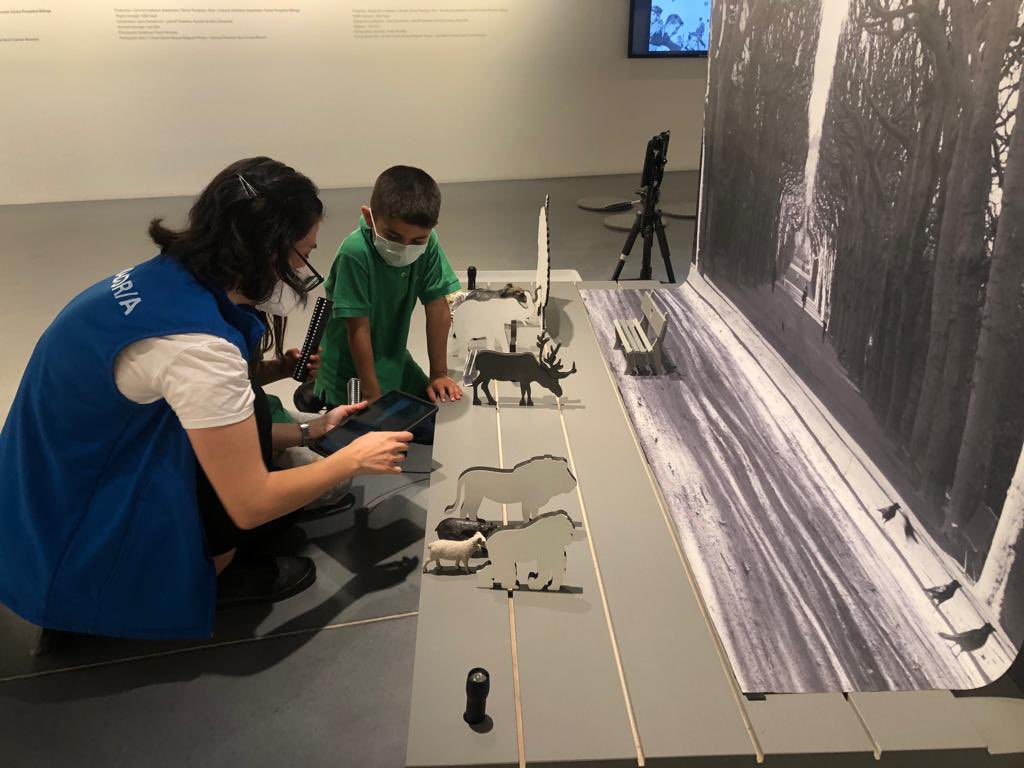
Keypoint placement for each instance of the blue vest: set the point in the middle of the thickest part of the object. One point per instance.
(99, 526)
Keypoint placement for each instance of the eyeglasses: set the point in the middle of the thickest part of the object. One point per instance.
(309, 283)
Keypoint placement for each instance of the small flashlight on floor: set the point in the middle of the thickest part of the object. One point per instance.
(478, 685)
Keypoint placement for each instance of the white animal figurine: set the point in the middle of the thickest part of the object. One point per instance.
(531, 483)
(459, 551)
(541, 541)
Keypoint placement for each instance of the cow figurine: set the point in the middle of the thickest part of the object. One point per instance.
(521, 367)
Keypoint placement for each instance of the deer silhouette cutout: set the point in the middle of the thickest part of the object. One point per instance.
(524, 368)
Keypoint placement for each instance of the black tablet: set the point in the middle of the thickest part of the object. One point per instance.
(393, 412)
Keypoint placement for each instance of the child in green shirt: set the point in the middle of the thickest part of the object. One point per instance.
(391, 261)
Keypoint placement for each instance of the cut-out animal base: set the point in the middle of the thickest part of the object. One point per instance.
(523, 368)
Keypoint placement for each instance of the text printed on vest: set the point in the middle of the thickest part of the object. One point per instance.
(123, 293)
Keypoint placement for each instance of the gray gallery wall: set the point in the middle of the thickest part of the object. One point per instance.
(111, 103)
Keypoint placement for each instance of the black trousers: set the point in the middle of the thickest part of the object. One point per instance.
(222, 535)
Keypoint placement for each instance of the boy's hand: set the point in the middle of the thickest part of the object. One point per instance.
(443, 387)
(291, 359)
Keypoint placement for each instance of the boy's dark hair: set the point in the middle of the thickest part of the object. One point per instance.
(407, 193)
(243, 227)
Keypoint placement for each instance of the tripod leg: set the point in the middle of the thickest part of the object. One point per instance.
(645, 267)
(628, 246)
(659, 227)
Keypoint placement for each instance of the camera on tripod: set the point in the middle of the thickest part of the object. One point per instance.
(648, 222)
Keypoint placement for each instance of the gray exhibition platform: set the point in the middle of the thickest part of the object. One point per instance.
(624, 666)
(322, 679)
(368, 668)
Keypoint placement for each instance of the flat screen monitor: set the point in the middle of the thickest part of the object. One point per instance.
(669, 28)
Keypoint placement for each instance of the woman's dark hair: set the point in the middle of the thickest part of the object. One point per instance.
(243, 227)
(273, 339)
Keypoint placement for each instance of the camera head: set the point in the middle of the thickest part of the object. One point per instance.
(655, 161)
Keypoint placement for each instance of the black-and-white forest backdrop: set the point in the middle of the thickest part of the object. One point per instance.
(863, 205)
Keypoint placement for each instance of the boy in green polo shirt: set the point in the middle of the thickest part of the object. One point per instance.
(382, 269)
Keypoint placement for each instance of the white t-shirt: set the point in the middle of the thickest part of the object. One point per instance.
(203, 378)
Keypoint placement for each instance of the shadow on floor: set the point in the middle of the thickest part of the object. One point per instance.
(362, 553)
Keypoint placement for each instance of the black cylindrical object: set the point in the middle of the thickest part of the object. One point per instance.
(471, 278)
(314, 335)
(478, 685)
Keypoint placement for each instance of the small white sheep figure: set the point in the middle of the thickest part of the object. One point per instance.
(459, 551)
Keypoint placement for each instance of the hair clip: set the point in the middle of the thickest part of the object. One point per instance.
(249, 189)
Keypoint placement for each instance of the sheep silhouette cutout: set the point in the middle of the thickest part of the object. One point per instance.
(458, 551)
(523, 368)
(531, 483)
(542, 542)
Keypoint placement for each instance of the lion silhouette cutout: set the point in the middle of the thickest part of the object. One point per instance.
(531, 483)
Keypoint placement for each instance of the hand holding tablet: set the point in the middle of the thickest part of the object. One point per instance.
(394, 412)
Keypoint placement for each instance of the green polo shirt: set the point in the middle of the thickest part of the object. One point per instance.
(362, 284)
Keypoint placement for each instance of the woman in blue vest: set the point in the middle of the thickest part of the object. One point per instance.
(108, 523)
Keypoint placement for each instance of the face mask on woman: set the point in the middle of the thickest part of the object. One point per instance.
(283, 298)
(395, 254)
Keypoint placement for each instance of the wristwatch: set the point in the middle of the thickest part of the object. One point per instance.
(304, 435)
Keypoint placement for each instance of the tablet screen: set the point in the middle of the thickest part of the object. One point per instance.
(394, 412)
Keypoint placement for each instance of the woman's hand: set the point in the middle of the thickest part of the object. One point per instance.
(333, 418)
(378, 453)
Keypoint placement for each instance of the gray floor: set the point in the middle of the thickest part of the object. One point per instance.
(335, 696)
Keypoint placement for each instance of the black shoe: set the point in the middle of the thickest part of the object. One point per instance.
(306, 400)
(251, 581)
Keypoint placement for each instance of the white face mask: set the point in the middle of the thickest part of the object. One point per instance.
(395, 254)
(284, 299)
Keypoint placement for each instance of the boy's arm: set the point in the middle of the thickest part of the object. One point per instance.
(439, 319)
(361, 348)
(437, 282)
